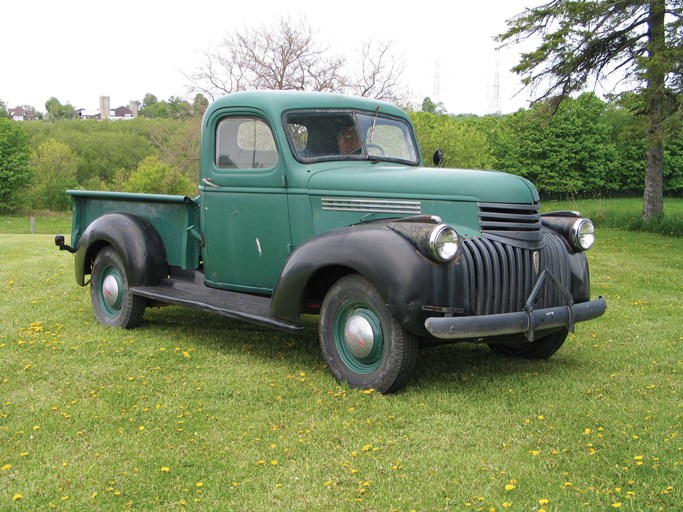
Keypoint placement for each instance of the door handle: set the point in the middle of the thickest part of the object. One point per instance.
(209, 183)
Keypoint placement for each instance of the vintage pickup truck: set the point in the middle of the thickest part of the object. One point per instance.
(313, 203)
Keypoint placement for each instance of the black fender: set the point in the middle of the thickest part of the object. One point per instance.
(405, 278)
(137, 242)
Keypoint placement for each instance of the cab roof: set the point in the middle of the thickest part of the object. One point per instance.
(276, 102)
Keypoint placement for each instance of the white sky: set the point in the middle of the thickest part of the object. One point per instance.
(79, 50)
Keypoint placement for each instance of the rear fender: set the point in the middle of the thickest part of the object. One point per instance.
(136, 241)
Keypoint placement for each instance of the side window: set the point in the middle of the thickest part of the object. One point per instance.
(245, 143)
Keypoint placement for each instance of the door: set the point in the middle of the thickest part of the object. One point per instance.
(245, 218)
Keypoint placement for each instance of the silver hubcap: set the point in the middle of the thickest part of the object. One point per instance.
(359, 336)
(110, 290)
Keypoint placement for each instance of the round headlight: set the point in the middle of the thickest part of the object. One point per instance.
(443, 243)
(583, 234)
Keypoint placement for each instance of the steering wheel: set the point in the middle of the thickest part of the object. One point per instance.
(377, 147)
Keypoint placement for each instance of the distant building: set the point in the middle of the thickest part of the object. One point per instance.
(21, 114)
(106, 112)
(87, 114)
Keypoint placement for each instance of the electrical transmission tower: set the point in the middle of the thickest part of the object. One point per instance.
(437, 83)
(495, 101)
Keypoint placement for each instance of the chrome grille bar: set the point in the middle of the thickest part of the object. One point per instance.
(350, 204)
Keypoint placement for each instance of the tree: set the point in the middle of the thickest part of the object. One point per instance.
(199, 105)
(463, 144)
(56, 110)
(174, 108)
(54, 165)
(638, 41)
(4, 112)
(379, 73)
(433, 108)
(565, 149)
(153, 176)
(15, 173)
(288, 56)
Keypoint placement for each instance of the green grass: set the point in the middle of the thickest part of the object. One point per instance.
(625, 213)
(50, 223)
(197, 412)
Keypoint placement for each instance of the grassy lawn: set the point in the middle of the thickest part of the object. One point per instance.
(197, 412)
(45, 223)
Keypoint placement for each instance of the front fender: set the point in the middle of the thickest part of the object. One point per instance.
(405, 278)
(136, 241)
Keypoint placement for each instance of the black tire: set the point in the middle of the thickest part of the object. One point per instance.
(112, 301)
(541, 348)
(382, 355)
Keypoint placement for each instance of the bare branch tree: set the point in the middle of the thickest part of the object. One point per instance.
(380, 72)
(288, 56)
(285, 56)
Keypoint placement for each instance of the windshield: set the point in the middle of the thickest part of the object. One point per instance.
(349, 135)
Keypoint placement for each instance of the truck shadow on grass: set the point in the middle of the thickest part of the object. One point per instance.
(456, 366)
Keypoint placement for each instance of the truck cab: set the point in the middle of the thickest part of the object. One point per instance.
(321, 203)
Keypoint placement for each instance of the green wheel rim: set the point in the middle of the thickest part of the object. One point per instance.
(111, 291)
(358, 337)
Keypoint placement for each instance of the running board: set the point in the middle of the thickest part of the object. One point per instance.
(238, 306)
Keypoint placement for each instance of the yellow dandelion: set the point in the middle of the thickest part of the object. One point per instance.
(507, 504)
(543, 501)
(534, 453)
(6, 467)
(165, 469)
(510, 487)
(616, 505)
(17, 497)
(200, 484)
(273, 462)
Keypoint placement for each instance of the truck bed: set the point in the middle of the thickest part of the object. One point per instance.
(175, 218)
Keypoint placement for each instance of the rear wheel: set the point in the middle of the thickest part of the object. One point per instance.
(110, 294)
(362, 343)
(541, 348)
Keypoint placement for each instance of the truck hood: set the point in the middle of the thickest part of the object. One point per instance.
(424, 183)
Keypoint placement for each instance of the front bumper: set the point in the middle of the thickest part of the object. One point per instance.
(527, 321)
(454, 328)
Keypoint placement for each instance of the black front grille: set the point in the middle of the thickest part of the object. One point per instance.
(515, 224)
(500, 276)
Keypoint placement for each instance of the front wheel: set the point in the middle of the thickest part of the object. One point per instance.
(363, 344)
(112, 301)
(541, 348)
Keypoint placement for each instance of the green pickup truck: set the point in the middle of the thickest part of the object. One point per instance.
(314, 203)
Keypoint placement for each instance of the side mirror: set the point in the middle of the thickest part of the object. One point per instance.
(438, 158)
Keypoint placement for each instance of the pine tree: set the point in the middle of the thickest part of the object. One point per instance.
(580, 42)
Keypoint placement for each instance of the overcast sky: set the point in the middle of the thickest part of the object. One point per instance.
(79, 50)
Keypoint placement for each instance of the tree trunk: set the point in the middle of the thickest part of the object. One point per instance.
(655, 91)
